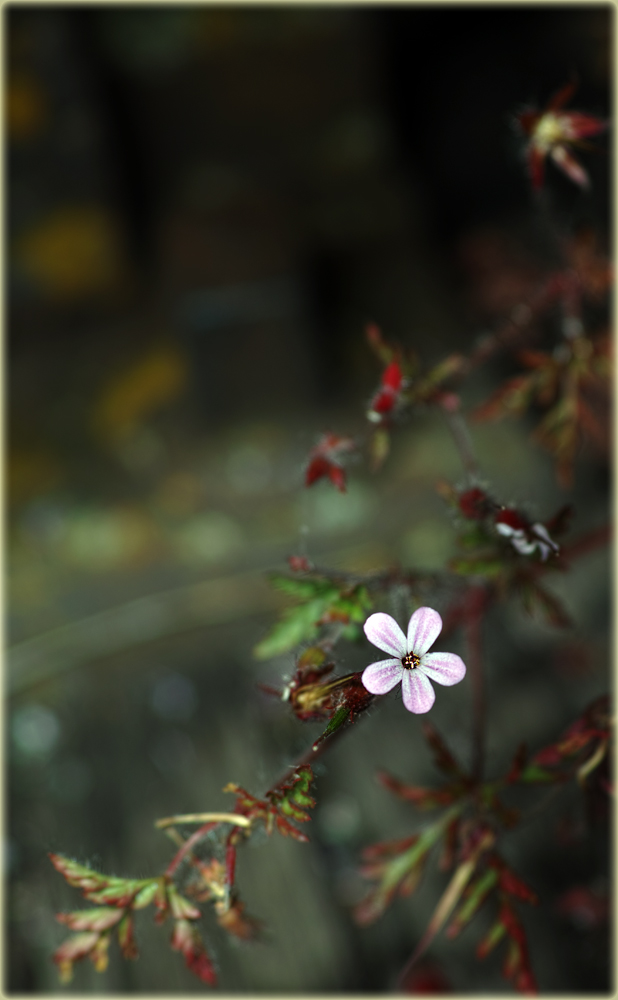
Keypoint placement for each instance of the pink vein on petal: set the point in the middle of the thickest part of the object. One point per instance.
(384, 632)
(418, 694)
(444, 668)
(424, 628)
(380, 678)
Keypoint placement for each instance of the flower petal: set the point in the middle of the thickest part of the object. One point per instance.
(418, 694)
(384, 632)
(445, 668)
(569, 165)
(380, 678)
(424, 628)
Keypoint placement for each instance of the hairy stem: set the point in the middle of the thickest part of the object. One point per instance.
(463, 442)
(187, 846)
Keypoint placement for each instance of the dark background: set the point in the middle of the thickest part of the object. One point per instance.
(205, 207)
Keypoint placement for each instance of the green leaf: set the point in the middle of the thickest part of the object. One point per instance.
(181, 908)
(99, 919)
(297, 625)
(337, 721)
(480, 566)
(404, 870)
(475, 537)
(494, 935)
(126, 939)
(477, 894)
(78, 875)
(119, 892)
(146, 895)
(533, 774)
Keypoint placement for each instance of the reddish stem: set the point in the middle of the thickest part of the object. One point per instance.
(187, 846)
(230, 864)
(463, 442)
(592, 540)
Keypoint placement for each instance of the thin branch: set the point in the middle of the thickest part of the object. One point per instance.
(189, 843)
(592, 540)
(463, 442)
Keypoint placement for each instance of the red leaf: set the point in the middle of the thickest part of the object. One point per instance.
(126, 938)
(562, 97)
(512, 884)
(187, 940)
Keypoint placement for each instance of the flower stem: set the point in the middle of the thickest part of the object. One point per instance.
(463, 442)
(189, 843)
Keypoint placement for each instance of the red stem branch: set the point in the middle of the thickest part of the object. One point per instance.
(189, 843)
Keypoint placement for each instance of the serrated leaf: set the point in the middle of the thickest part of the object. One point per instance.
(186, 939)
(78, 875)
(400, 869)
(297, 625)
(99, 956)
(181, 908)
(146, 895)
(493, 937)
(76, 947)
(126, 938)
(99, 919)
(462, 875)
(477, 894)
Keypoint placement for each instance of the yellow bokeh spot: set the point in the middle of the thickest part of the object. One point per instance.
(31, 473)
(74, 252)
(134, 394)
(25, 108)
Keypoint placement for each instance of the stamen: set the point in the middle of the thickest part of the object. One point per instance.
(410, 661)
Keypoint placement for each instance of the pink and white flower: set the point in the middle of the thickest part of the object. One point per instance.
(553, 132)
(410, 662)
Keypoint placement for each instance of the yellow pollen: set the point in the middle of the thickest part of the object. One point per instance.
(549, 130)
(410, 660)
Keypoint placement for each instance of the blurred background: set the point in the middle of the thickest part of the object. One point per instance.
(205, 207)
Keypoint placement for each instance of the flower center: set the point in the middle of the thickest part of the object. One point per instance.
(410, 661)
(549, 130)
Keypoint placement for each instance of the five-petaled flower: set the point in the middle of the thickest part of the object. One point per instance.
(411, 663)
(552, 132)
